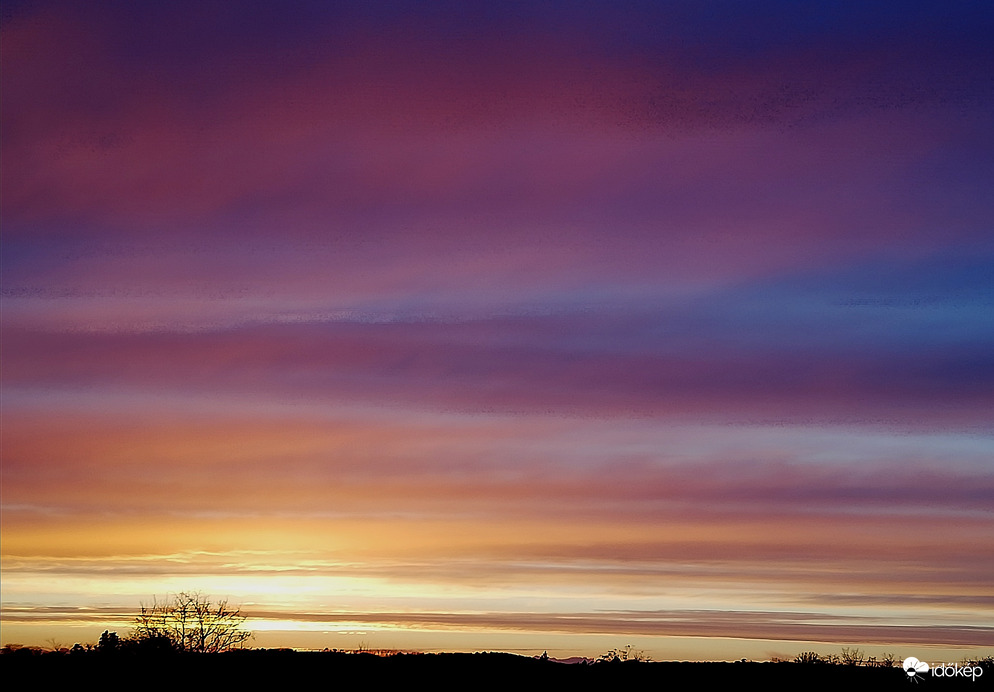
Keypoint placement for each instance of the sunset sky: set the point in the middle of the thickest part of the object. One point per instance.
(512, 326)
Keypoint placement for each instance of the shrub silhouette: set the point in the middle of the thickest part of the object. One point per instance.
(109, 642)
(623, 655)
(852, 657)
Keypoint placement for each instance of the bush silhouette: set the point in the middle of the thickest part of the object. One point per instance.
(109, 642)
(623, 655)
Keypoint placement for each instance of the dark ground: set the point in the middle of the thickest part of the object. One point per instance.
(280, 670)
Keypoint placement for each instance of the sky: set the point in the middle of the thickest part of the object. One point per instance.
(513, 326)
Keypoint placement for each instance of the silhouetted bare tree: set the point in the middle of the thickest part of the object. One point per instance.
(191, 622)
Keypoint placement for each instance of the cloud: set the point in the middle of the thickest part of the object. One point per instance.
(726, 356)
(486, 293)
(781, 626)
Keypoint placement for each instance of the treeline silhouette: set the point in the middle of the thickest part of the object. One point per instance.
(255, 668)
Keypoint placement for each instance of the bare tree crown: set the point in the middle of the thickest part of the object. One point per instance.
(191, 622)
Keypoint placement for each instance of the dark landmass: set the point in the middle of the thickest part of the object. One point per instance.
(282, 669)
